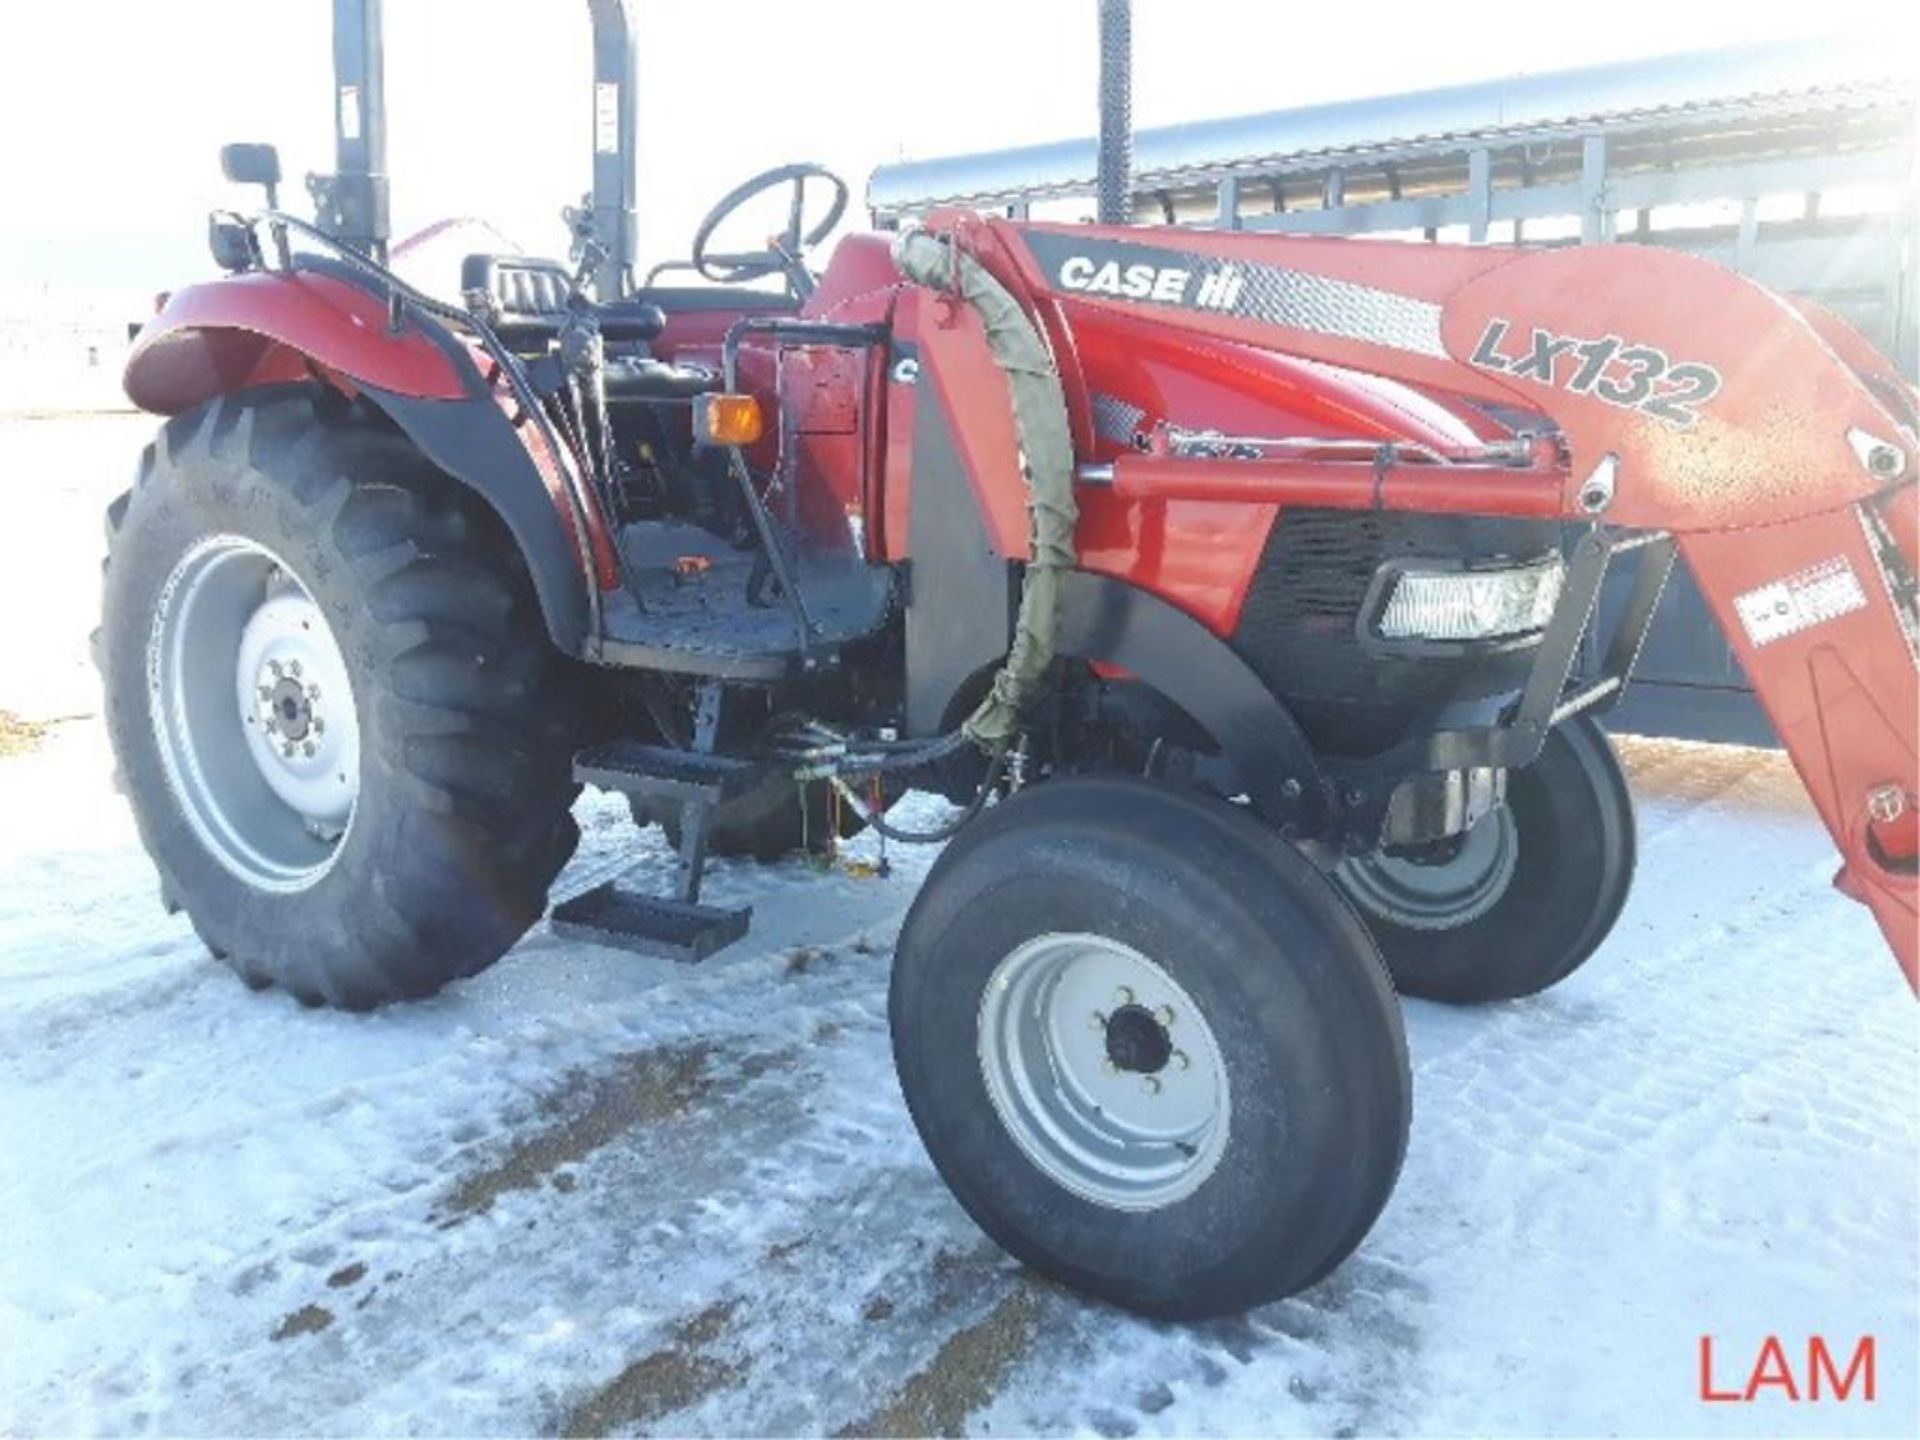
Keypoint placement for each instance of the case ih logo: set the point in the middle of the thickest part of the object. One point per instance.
(1167, 284)
(1633, 377)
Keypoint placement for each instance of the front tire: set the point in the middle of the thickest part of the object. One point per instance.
(1526, 897)
(1143, 1065)
(337, 715)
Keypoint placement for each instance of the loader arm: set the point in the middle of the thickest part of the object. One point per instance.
(1766, 437)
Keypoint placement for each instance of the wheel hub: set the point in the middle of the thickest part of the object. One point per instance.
(1136, 1042)
(287, 710)
(1103, 1071)
(1443, 886)
(291, 674)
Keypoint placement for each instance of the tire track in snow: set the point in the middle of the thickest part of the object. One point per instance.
(798, 1202)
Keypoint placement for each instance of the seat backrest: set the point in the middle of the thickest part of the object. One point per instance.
(526, 300)
(522, 297)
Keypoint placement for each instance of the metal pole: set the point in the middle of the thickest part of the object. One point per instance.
(616, 110)
(1116, 112)
(354, 205)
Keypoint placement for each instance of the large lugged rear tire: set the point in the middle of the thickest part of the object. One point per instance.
(337, 714)
(1529, 894)
(1149, 1047)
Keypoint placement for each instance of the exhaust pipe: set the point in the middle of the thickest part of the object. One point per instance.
(1116, 112)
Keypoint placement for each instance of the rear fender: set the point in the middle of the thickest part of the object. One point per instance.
(214, 338)
(319, 324)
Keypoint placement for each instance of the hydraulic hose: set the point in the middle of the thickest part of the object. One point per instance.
(873, 816)
(1046, 466)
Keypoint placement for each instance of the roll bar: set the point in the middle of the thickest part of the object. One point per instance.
(352, 203)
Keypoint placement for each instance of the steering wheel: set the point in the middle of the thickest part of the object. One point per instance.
(785, 252)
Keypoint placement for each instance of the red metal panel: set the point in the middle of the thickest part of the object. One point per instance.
(956, 364)
(1841, 691)
(1724, 406)
(1364, 277)
(228, 333)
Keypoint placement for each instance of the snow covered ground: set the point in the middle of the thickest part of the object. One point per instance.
(585, 1192)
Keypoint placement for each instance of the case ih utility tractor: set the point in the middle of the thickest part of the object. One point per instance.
(1230, 586)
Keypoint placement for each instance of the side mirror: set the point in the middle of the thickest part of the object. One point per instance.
(253, 165)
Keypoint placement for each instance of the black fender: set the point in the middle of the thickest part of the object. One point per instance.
(1110, 622)
(473, 441)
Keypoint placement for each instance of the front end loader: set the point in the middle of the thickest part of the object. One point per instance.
(1234, 589)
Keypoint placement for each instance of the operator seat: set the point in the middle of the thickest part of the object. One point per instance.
(525, 301)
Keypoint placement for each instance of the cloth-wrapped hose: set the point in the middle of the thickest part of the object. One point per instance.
(1046, 466)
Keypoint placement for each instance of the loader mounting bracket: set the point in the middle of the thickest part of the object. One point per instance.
(1551, 694)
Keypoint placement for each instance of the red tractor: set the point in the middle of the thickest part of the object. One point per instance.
(1231, 587)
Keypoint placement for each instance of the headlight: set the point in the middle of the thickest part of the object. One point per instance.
(1471, 604)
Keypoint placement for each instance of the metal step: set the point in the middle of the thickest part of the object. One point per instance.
(649, 924)
(655, 770)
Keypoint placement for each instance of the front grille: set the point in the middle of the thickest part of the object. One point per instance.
(1300, 626)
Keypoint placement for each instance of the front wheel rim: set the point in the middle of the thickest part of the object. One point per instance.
(254, 714)
(1103, 1071)
(1419, 894)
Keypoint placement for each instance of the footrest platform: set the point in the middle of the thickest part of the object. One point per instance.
(649, 924)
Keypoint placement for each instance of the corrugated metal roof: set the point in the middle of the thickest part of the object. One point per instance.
(1775, 76)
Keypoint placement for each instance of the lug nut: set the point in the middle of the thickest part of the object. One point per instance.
(1164, 1015)
(287, 750)
(293, 668)
(313, 692)
(1096, 1021)
(1123, 996)
(1179, 1060)
(274, 666)
(319, 726)
(1150, 1085)
(266, 692)
(1109, 1066)
(273, 726)
(307, 749)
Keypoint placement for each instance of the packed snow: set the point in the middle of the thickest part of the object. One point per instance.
(589, 1193)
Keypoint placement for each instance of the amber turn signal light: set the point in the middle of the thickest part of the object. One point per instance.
(727, 420)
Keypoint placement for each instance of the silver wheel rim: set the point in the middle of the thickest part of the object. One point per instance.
(1104, 1071)
(1445, 894)
(253, 713)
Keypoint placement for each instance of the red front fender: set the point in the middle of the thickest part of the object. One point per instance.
(265, 326)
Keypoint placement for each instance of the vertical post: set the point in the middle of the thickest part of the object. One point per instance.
(616, 110)
(1749, 235)
(355, 206)
(1227, 213)
(1596, 211)
(1904, 277)
(1479, 193)
(1116, 112)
